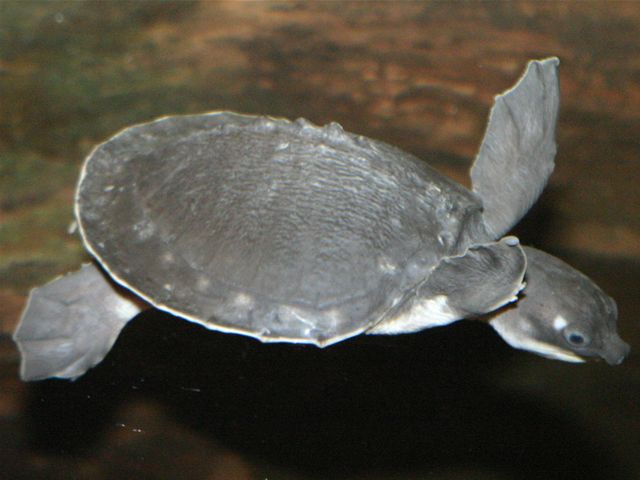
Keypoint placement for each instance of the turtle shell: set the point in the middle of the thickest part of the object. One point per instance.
(280, 230)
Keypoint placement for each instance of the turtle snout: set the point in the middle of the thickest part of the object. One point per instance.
(615, 350)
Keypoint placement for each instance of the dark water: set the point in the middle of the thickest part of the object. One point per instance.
(173, 400)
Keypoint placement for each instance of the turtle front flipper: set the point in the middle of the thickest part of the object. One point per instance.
(482, 279)
(71, 323)
(517, 154)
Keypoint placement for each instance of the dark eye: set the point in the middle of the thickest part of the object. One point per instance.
(576, 339)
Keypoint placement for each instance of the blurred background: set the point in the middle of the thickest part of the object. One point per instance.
(173, 400)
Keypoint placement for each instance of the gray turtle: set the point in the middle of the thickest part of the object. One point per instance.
(290, 232)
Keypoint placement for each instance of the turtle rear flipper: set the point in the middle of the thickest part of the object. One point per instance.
(71, 323)
(517, 154)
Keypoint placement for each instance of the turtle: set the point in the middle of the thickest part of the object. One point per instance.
(286, 231)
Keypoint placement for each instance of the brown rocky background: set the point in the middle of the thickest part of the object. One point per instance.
(173, 401)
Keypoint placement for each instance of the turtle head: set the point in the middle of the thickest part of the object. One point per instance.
(561, 314)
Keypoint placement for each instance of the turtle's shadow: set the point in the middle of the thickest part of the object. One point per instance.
(372, 404)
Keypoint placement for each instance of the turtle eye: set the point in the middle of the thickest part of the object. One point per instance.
(577, 339)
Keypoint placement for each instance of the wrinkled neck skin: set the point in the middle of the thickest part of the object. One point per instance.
(475, 231)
